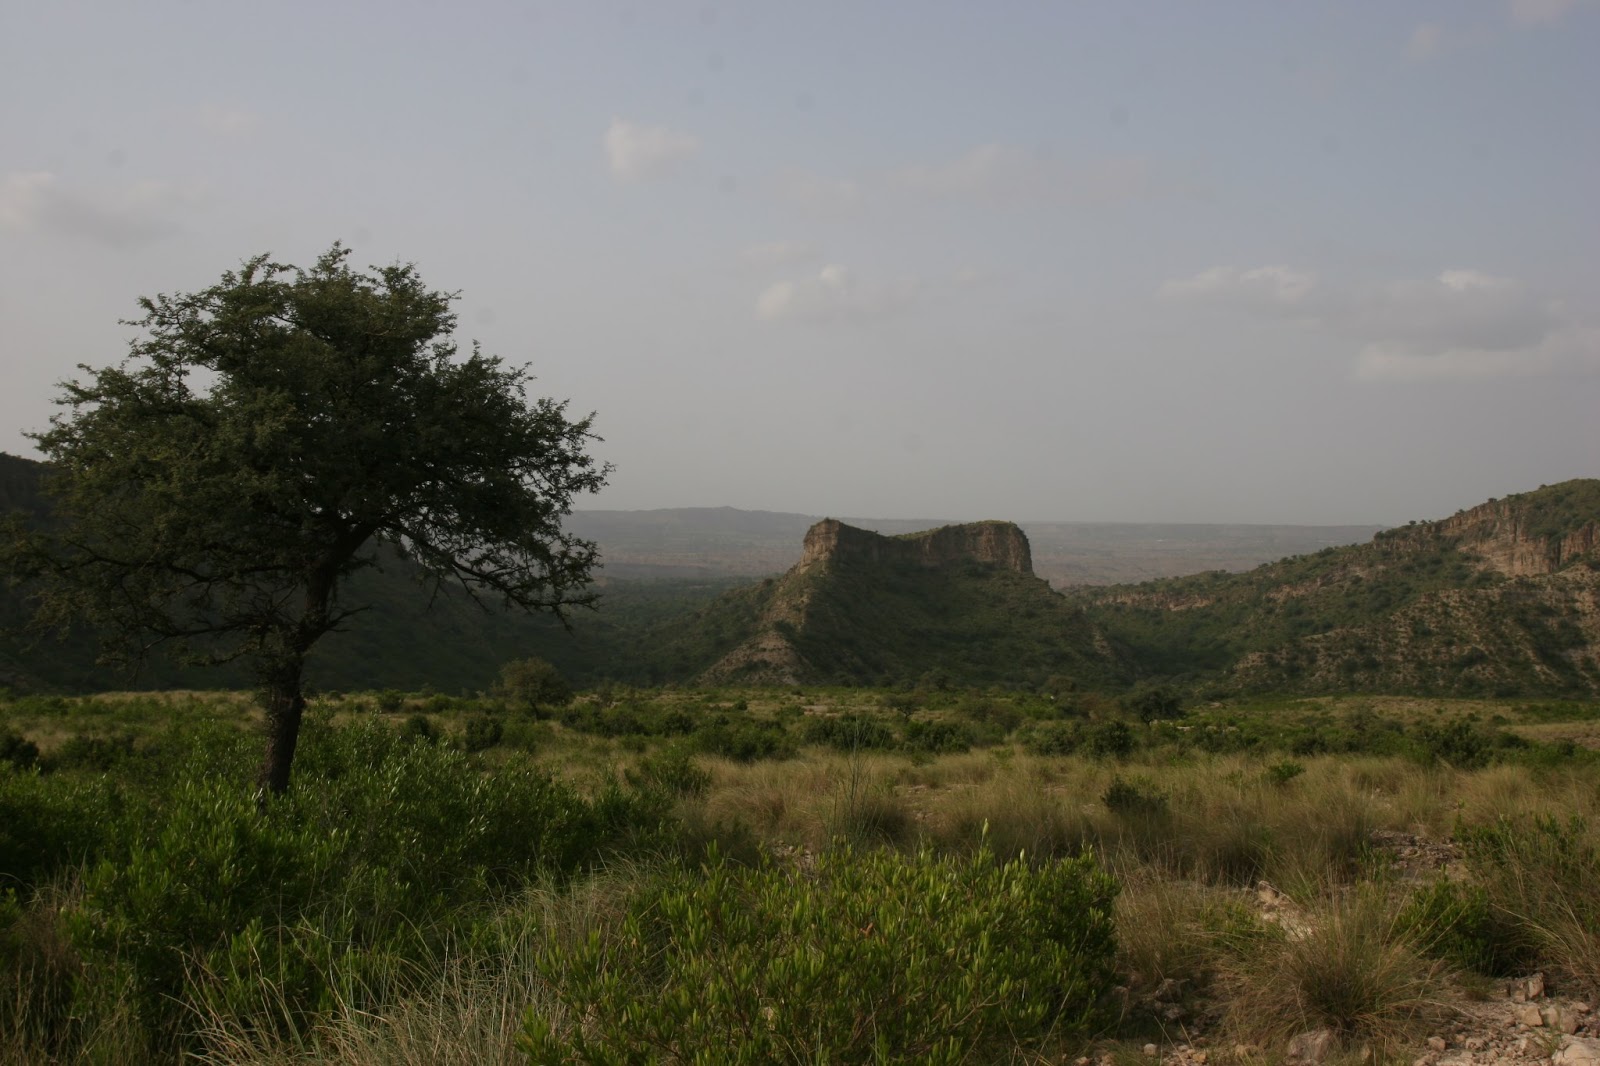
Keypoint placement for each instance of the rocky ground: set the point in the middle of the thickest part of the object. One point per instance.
(1522, 1021)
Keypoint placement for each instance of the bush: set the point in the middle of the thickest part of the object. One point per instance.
(744, 739)
(17, 750)
(482, 732)
(1052, 738)
(1460, 924)
(419, 727)
(534, 685)
(1281, 773)
(374, 858)
(671, 771)
(1112, 740)
(850, 732)
(937, 736)
(875, 956)
(1134, 798)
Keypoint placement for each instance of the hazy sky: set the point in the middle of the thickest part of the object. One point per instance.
(1210, 262)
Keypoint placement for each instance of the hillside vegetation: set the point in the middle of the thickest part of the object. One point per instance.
(1503, 598)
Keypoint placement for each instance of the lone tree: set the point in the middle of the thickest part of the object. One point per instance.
(271, 436)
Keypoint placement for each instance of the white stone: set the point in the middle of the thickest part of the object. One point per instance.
(1311, 1047)
(1577, 1051)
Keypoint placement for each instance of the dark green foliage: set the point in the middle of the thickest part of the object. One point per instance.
(481, 732)
(1053, 738)
(534, 685)
(273, 436)
(870, 957)
(1156, 704)
(1135, 798)
(17, 750)
(97, 753)
(1281, 773)
(849, 732)
(743, 738)
(380, 860)
(1458, 922)
(419, 727)
(671, 770)
(937, 736)
(1109, 740)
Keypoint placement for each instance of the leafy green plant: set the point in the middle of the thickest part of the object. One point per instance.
(870, 956)
(1458, 922)
(1134, 798)
(1281, 773)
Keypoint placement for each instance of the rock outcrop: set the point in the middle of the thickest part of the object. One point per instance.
(999, 544)
(862, 607)
(1502, 533)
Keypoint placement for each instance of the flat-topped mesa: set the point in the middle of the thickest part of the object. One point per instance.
(999, 544)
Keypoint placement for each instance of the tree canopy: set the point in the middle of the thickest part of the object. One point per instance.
(274, 434)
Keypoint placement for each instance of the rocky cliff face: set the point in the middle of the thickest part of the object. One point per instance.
(1499, 532)
(998, 544)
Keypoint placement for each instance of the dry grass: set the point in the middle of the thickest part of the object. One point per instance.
(1353, 970)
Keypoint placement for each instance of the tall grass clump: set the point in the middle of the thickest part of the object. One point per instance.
(1354, 968)
(1543, 874)
(867, 956)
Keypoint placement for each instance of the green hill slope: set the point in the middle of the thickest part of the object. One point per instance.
(1503, 598)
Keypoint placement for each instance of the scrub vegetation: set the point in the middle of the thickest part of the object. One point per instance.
(903, 874)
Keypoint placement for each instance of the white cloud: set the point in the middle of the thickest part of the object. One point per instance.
(779, 253)
(638, 152)
(835, 293)
(1535, 12)
(1462, 323)
(1460, 310)
(122, 218)
(1264, 288)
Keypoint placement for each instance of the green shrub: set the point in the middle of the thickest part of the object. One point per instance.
(1110, 740)
(482, 732)
(850, 732)
(1459, 923)
(534, 685)
(1134, 798)
(744, 739)
(672, 771)
(1052, 738)
(97, 754)
(937, 736)
(17, 750)
(872, 956)
(374, 858)
(1281, 773)
(419, 727)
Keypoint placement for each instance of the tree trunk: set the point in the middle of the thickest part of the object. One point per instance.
(285, 705)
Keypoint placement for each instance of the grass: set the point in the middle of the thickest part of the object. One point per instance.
(1187, 831)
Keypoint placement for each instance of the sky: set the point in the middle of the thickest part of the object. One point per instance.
(1165, 262)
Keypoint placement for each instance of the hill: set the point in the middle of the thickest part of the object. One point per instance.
(1503, 598)
(960, 603)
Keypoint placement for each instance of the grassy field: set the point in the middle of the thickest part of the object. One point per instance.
(842, 875)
